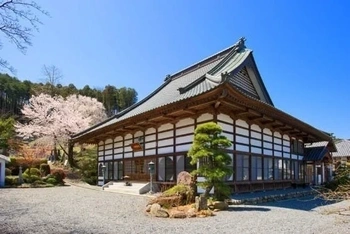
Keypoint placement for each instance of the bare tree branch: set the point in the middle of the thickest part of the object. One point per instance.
(52, 75)
(18, 19)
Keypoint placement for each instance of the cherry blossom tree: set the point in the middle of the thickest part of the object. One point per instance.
(53, 120)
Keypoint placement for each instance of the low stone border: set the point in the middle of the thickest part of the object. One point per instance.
(271, 198)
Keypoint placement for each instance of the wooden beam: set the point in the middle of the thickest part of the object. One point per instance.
(256, 118)
(225, 102)
(240, 112)
(301, 134)
(286, 128)
(188, 111)
(251, 111)
(168, 117)
(277, 124)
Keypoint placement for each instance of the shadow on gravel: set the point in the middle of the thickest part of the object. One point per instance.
(306, 203)
(234, 208)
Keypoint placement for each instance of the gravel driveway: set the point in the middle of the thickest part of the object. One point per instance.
(72, 209)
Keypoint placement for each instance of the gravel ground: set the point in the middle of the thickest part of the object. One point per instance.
(72, 209)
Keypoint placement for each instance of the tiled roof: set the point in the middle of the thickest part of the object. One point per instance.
(343, 149)
(190, 82)
(317, 144)
(3, 157)
(315, 153)
(206, 75)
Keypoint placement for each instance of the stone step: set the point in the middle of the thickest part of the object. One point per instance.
(120, 187)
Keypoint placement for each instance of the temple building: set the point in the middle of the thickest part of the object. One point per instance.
(268, 149)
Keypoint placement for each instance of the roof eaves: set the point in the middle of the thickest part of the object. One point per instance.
(320, 133)
(93, 127)
(262, 84)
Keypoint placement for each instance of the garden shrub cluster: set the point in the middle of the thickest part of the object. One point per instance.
(11, 180)
(30, 175)
(43, 177)
(16, 162)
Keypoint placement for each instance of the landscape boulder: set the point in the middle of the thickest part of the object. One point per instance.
(158, 211)
(220, 205)
(185, 178)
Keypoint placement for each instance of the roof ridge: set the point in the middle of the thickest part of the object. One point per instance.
(233, 50)
(235, 47)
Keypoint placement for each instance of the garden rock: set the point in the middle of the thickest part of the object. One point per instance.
(191, 213)
(220, 205)
(157, 211)
(148, 208)
(185, 178)
(178, 215)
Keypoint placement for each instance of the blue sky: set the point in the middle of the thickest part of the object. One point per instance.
(301, 48)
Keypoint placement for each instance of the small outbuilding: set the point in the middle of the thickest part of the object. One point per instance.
(342, 156)
(3, 160)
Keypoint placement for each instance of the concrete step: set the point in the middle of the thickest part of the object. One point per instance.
(120, 187)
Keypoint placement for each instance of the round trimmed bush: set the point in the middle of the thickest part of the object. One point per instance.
(35, 171)
(51, 180)
(31, 175)
(8, 172)
(11, 180)
(35, 178)
(32, 171)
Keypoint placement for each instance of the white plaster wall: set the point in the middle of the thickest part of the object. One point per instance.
(255, 134)
(242, 131)
(226, 127)
(165, 150)
(205, 117)
(109, 157)
(185, 130)
(184, 139)
(242, 148)
(181, 148)
(255, 127)
(150, 152)
(184, 122)
(164, 127)
(225, 118)
(166, 142)
(242, 123)
(108, 141)
(166, 134)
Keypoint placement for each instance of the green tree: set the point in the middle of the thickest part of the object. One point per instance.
(209, 149)
(7, 131)
(126, 97)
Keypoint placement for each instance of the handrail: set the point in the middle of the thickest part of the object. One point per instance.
(106, 184)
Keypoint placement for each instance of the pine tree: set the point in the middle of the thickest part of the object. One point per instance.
(209, 149)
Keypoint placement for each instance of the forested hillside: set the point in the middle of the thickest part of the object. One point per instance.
(14, 93)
